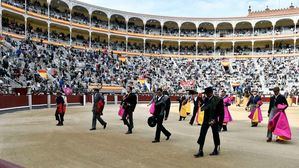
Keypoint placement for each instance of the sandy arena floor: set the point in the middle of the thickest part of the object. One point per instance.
(31, 139)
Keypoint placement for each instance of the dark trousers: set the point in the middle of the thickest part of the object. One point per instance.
(59, 117)
(193, 117)
(182, 118)
(203, 132)
(160, 128)
(129, 123)
(271, 115)
(95, 117)
(167, 112)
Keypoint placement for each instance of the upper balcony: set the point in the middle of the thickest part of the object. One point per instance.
(263, 25)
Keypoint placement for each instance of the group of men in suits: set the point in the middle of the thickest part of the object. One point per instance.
(211, 104)
(128, 103)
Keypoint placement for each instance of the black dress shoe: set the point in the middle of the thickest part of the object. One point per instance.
(167, 138)
(224, 128)
(129, 132)
(199, 154)
(155, 141)
(91, 129)
(105, 125)
(215, 152)
(269, 140)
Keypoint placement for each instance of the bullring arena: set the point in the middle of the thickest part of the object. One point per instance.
(49, 47)
(31, 139)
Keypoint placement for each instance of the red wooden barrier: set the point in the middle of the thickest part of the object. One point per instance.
(13, 101)
(70, 99)
(294, 99)
(75, 99)
(174, 98)
(119, 97)
(39, 99)
(53, 99)
(21, 91)
(10, 101)
(88, 98)
(144, 98)
(266, 99)
(110, 97)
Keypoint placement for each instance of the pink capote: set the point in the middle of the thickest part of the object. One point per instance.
(279, 124)
(152, 108)
(260, 117)
(67, 91)
(121, 111)
(227, 116)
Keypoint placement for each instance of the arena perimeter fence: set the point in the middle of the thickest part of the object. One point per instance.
(14, 102)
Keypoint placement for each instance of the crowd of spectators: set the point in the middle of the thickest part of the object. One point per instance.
(16, 3)
(60, 14)
(96, 22)
(118, 24)
(37, 32)
(67, 67)
(37, 7)
(13, 26)
(77, 16)
(280, 47)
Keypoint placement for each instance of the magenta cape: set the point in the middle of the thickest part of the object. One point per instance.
(279, 124)
(227, 116)
(152, 108)
(121, 111)
(260, 117)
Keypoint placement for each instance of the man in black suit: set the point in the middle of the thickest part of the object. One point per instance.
(213, 116)
(276, 99)
(160, 105)
(196, 101)
(181, 99)
(168, 104)
(129, 103)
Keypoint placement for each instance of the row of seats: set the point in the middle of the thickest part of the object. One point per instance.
(168, 30)
(20, 62)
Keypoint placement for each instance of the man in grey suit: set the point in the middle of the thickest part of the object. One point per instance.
(97, 110)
